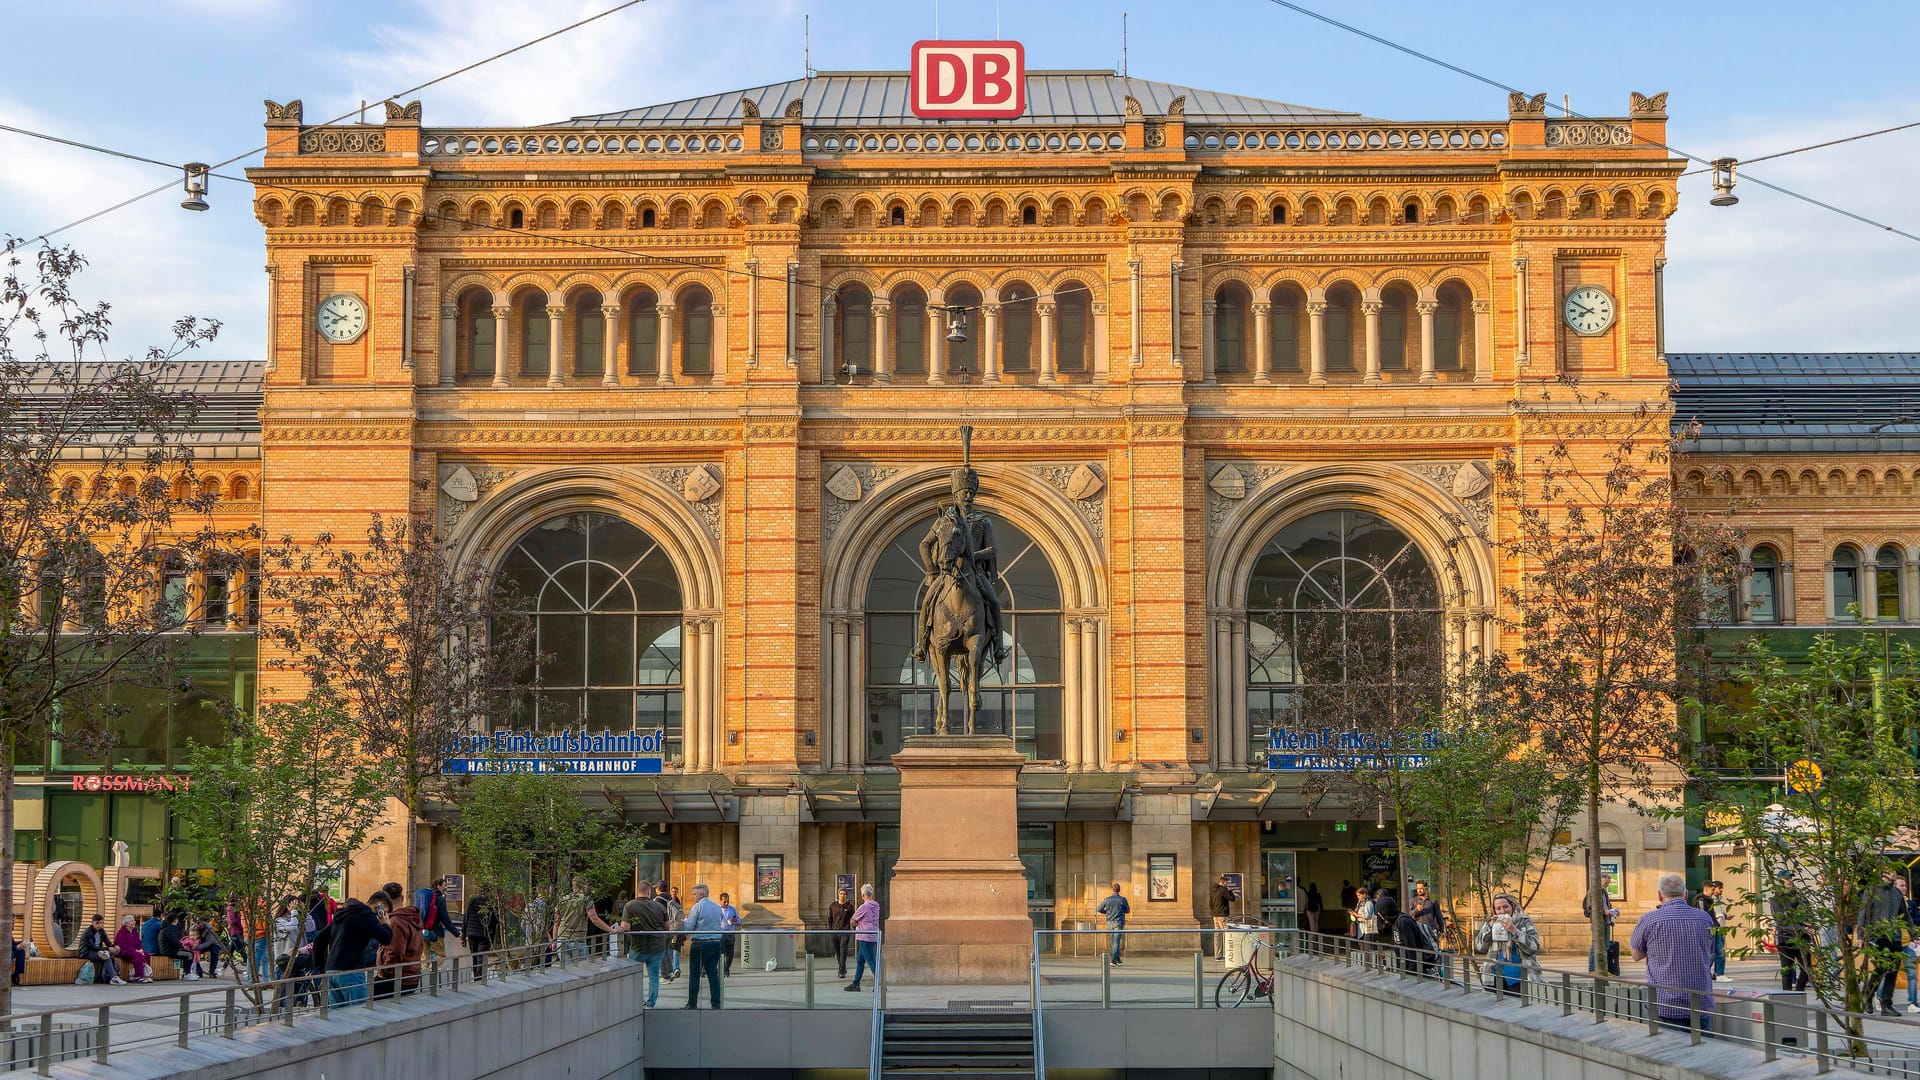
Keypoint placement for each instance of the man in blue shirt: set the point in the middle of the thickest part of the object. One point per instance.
(1676, 941)
(702, 924)
(1115, 908)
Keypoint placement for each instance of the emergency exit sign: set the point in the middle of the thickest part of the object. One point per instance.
(968, 80)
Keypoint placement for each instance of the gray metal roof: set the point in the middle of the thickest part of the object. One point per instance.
(229, 394)
(1799, 402)
(879, 98)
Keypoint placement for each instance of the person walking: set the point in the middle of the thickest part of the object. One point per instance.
(1676, 941)
(866, 933)
(1881, 924)
(435, 923)
(702, 924)
(126, 941)
(730, 940)
(398, 963)
(645, 922)
(97, 948)
(1612, 915)
(1910, 956)
(482, 929)
(1510, 947)
(1349, 900)
(1790, 937)
(1220, 905)
(1315, 906)
(839, 925)
(1115, 908)
(1426, 911)
(1710, 902)
(344, 942)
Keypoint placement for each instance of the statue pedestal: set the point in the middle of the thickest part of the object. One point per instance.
(957, 902)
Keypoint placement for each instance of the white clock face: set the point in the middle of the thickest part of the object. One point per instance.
(1589, 310)
(341, 318)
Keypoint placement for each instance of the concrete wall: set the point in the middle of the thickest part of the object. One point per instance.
(583, 1024)
(1335, 1023)
(1178, 1039)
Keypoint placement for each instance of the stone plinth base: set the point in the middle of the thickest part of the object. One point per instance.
(958, 897)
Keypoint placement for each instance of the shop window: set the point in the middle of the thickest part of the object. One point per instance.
(1763, 587)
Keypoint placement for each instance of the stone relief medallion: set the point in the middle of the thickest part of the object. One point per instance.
(1228, 485)
(1089, 483)
(462, 487)
(1469, 482)
(847, 485)
(1228, 482)
(697, 484)
(700, 485)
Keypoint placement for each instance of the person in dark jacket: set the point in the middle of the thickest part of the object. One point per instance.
(1219, 905)
(354, 927)
(400, 959)
(645, 924)
(97, 948)
(1791, 938)
(1418, 952)
(172, 944)
(482, 929)
(1883, 914)
(1315, 905)
(840, 927)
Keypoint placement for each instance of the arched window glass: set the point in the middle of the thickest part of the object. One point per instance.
(476, 317)
(606, 605)
(534, 338)
(1846, 585)
(909, 331)
(1016, 329)
(696, 340)
(854, 328)
(1230, 310)
(1453, 328)
(1886, 584)
(1763, 587)
(1072, 318)
(1398, 331)
(1338, 601)
(1283, 328)
(643, 334)
(1343, 312)
(589, 338)
(962, 356)
(1022, 696)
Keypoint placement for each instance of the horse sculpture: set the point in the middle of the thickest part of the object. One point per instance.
(959, 624)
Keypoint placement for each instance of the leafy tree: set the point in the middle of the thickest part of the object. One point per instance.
(529, 832)
(97, 498)
(286, 798)
(1614, 576)
(418, 650)
(1818, 848)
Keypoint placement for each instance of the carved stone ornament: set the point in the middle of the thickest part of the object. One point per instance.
(343, 141)
(794, 109)
(749, 109)
(1642, 107)
(700, 485)
(1471, 481)
(770, 139)
(1156, 136)
(1520, 105)
(289, 111)
(1588, 133)
(460, 486)
(1178, 106)
(397, 111)
(1134, 111)
(1228, 482)
(835, 507)
(845, 484)
(1091, 506)
(1085, 483)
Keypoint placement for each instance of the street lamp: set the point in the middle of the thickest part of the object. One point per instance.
(1724, 170)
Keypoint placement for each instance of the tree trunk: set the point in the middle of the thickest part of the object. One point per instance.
(6, 875)
(1596, 894)
(412, 800)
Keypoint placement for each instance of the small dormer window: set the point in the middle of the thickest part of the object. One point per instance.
(647, 218)
(1028, 216)
(1279, 213)
(897, 216)
(517, 218)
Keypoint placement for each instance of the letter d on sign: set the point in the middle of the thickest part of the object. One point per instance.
(976, 80)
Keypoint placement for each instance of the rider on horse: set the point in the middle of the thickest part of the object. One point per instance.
(981, 566)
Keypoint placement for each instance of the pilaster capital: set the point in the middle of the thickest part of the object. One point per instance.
(501, 312)
(882, 308)
(1371, 308)
(449, 311)
(1520, 264)
(1426, 307)
(1316, 308)
(1045, 309)
(1262, 307)
(830, 307)
(992, 311)
(1209, 307)
(1482, 306)
(611, 311)
(556, 311)
(666, 309)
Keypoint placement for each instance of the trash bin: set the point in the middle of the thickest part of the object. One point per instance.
(1740, 1014)
(757, 949)
(1242, 932)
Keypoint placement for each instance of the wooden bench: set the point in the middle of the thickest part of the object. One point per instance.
(54, 971)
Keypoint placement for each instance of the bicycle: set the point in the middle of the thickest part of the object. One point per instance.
(1246, 982)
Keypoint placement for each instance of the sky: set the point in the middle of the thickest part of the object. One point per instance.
(183, 80)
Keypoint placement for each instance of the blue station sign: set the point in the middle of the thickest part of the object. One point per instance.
(604, 753)
(1327, 750)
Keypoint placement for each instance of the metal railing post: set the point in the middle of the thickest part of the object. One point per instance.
(325, 983)
(1599, 999)
(433, 978)
(1198, 968)
(880, 974)
(1693, 1014)
(100, 1037)
(1106, 980)
(1822, 1061)
(184, 998)
(1767, 1036)
(43, 1064)
(1653, 1010)
(809, 980)
(227, 1024)
(1566, 993)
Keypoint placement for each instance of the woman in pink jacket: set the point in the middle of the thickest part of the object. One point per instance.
(127, 938)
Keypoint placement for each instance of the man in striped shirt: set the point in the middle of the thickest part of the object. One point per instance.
(1676, 941)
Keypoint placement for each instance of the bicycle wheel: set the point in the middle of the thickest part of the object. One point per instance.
(1236, 988)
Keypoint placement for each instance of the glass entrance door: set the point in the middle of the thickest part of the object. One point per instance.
(1280, 889)
(1036, 857)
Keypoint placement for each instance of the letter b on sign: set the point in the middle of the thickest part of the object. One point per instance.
(978, 80)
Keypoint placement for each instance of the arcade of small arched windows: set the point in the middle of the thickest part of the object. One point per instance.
(528, 334)
(1823, 480)
(1019, 330)
(1339, 331)
(1864, 580)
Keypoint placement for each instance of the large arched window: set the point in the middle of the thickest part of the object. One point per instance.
(1284, 328)
(1846, 585)
(534, 328)
(1886, 584)
(696, 331)
(643, 333)
(1231, 315)
(1340, 602)
(1022, 696)
(1338, 326)
(909, 331)
(1453, 328)
(477, 326)
(1016, 328)
(589, 335)
(1763, 586)
(606, 603)
(855, 330)
(1399, 327)
(1073, 307)
(962, 356)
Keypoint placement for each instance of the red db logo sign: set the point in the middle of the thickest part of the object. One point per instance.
(974, 80)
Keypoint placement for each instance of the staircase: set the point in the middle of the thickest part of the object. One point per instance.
(958, 1044)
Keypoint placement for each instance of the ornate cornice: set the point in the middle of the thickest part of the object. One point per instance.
(648, 433)
(333, 432)
(1023, 258)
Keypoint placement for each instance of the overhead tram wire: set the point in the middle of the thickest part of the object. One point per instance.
(271, 144)
(1490, 81)
(1744, 162)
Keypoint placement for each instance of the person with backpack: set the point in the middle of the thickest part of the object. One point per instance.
(1417, 950)
(482, 929)
(436, 924)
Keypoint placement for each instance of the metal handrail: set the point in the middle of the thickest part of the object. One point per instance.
(279, 1000)
(1039, 1024)
(875, 1048)
(1611, 997)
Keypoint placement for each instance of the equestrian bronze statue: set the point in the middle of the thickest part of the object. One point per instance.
(959, 608)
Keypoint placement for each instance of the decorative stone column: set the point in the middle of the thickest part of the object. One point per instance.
(1209, 343)
(1371, 309)
(1317, 342)
(1426, 308)
(990, 344)
(1092, 692)
(449, 342)
(1047, 374)
(882, 357)
(1262, 342)
(665, 311)
(1482, 340)
(610, 345)
(936, 345)
(1073, 740)
(829, 363)
(556, 321)
(501, 314)
(1785, 601)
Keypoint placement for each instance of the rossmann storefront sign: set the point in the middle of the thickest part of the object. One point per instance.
(968, 80)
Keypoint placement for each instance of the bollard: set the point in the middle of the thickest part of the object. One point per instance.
(1198, 996)
(44, 1066)
(809, 980)
(183, 1020)
(1106, 980)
